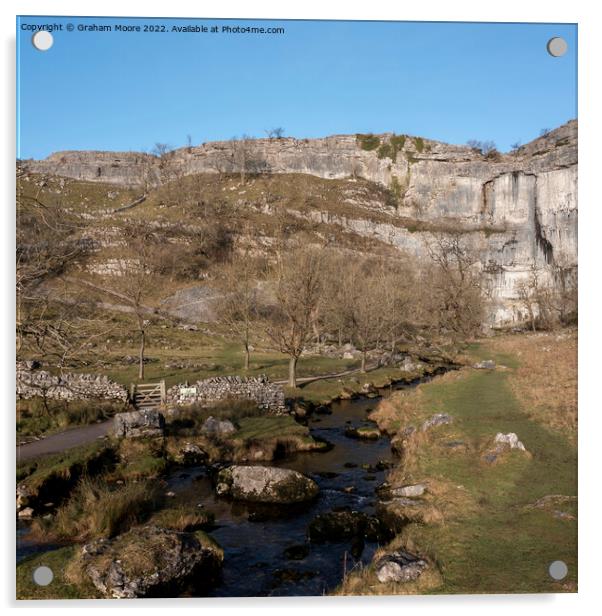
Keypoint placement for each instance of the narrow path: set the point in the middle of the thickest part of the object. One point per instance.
(57, 443)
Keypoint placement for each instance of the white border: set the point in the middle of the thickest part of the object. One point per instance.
(590, 108)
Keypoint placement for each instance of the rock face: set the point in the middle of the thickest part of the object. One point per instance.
(33, 382)
(518, 211)
(149, 561)
(145, 423)
(265, 484)
(399, 567)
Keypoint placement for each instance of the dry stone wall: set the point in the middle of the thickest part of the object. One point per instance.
(268, 396)
(32, 382)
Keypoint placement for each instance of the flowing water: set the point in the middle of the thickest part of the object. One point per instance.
(255, 538)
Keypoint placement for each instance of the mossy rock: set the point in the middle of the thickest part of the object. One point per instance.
(266, 484)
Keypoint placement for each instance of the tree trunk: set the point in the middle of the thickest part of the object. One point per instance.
(247, 356)
(340, 337)
(141, 356)
(292, 372)
(363, 368)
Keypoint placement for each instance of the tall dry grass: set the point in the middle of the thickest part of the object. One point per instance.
(545, 381)
(97, 510)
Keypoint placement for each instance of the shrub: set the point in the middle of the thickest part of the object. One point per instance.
(419, 144)
(389, 150)
(368, 141)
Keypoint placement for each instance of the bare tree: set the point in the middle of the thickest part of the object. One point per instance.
(275, 133)
(452, 296)
(486, 148)
(242, 150)
(134, 280)
(239, 306)
(297, 277)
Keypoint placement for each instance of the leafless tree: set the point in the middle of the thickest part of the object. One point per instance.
(297, 278)
(239, 306)
(275, 133)
(53, 321)
(452, 300)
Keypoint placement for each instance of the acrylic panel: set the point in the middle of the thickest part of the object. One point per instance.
(297, 308)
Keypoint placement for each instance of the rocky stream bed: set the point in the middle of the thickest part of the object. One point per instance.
(297, 549)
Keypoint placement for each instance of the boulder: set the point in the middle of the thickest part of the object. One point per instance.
(346, 524)
(26, 513)
(193, 454)
(510, 439)
(265, 484)
(412, 491)
(150, 561)
(399, 567)
(217, 427)
(503, 443)
(398, 512)
(135, 424)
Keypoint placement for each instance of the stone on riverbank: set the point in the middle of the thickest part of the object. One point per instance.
(136, 424)
(265, 484)
(149, 561)
(399, 567)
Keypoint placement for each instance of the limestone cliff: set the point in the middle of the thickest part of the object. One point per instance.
(519, 210)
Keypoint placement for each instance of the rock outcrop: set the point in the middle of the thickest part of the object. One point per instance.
(517, 211)
(399, 567)
(266, 484)
(149, 561)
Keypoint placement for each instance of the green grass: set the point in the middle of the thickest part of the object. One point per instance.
(61, 587)
(503, 546)
(368, 141)
(325, 390)
(252, 428)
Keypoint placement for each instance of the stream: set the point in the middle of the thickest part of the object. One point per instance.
(255, 538)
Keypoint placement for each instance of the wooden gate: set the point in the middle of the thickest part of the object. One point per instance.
(148, 395)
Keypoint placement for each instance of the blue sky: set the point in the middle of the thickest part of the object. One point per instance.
(446, 81)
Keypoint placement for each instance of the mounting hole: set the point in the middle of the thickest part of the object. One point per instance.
(558, 570)
(557, 46)
(42, 40)
(43, 575)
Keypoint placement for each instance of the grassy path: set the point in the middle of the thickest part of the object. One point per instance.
(490, 537)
